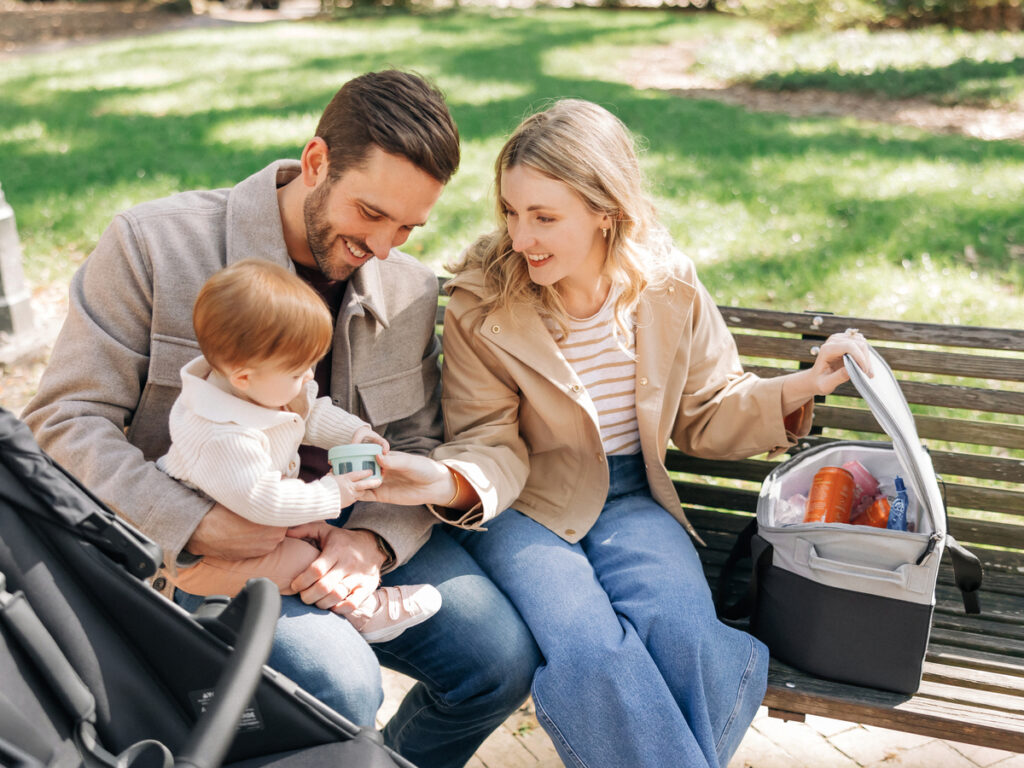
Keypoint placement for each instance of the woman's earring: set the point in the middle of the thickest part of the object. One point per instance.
(604, 232)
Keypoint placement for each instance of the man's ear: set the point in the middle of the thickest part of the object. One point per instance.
(314, 161)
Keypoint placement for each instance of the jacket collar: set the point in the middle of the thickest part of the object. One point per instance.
(662, 316)
(205, 393)
(254, 219)
(254, 232)
(520, 332)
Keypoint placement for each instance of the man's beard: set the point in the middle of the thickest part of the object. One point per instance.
(320, 238)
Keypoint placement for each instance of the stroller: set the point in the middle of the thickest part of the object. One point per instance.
(98, 670)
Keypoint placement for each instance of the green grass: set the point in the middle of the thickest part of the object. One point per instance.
(788, 213)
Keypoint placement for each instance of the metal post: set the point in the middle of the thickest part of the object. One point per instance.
(17, 325)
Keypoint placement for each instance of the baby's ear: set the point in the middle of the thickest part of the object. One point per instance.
(239, 378)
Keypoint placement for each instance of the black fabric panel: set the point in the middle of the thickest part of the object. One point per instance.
(360, 752)
(840, 634)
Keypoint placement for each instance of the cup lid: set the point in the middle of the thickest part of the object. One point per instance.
(353, 450)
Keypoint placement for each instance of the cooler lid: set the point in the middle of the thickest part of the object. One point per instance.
(886, 401)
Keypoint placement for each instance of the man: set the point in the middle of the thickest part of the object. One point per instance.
(383, 151)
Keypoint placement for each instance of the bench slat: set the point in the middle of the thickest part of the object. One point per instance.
(975, 337)
(934, 427)
(922, 393)
(899, 359)
(927, 713)
(951, 656)
(983, 498)
(984, 532)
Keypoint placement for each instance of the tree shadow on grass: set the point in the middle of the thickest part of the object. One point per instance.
(964, 81)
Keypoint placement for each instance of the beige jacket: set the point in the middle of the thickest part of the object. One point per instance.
(521, 428)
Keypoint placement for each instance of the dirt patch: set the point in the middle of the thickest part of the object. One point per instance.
(26, 25)
(669, 68)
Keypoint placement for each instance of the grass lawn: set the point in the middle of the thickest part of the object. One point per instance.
(788, 213)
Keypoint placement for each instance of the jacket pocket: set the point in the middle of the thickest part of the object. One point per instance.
(149, 431)
(394, 397)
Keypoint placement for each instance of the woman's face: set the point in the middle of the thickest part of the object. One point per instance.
(552, 228)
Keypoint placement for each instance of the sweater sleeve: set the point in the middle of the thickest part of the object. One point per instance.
(234, 469)
(328, 425)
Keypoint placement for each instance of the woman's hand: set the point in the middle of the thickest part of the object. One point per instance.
(828, 371)
(410, 479)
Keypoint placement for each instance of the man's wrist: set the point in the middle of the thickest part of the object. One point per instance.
(387, 554)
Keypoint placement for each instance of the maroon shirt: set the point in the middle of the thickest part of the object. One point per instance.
(314, 460)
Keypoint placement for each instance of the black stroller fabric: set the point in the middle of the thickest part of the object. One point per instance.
(149, 666)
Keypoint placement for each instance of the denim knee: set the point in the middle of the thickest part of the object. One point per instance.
(323, 654)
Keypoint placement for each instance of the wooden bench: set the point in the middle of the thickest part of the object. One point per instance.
(966, 389)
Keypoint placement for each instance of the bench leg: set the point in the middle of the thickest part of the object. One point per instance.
(782, 714)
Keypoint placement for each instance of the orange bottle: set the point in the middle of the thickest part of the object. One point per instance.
(877, 514)
(831, 496)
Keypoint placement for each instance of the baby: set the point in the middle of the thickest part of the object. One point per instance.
(246, 405)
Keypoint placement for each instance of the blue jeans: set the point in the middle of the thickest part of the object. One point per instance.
(638, 671)
(474, 660)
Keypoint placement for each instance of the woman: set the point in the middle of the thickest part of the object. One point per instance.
(577, 342)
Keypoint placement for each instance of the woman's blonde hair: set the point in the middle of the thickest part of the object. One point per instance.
(256, 312)
(586, 147)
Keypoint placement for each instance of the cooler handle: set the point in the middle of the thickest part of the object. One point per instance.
(908, 576)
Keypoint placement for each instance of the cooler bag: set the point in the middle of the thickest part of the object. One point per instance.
(852, 603)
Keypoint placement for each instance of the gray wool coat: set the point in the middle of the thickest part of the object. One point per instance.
(103, 403)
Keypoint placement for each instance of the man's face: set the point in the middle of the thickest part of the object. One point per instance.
(366, 212)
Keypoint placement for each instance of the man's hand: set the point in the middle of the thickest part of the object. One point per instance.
(222, 533)
(347, 571)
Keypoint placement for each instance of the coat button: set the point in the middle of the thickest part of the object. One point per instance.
(159, 583)
(643, 381)
(495, 329)
(575, 387)
(570, 531)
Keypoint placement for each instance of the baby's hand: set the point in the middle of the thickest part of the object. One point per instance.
(366, 435)
(351, 485)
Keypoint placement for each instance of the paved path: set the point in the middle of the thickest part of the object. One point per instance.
(770, 743)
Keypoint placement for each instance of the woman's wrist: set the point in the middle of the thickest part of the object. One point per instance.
(797, 389)
(461, 494)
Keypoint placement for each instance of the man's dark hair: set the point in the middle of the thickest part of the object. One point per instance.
(397, 111)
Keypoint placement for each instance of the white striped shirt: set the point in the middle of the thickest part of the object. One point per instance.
(605, 362)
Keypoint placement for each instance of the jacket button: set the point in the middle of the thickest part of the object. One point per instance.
(643, 381)
(599, 456)
(570, 531)
(495, 329)
(575, 387)
(671, 289)
(159, 583)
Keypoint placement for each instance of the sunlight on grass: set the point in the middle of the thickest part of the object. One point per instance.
(262, 132)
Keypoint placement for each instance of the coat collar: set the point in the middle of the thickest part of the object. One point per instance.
(662, 316)
(254, 231)
(205, 394)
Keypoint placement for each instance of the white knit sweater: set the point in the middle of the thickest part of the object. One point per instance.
(246, 456)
